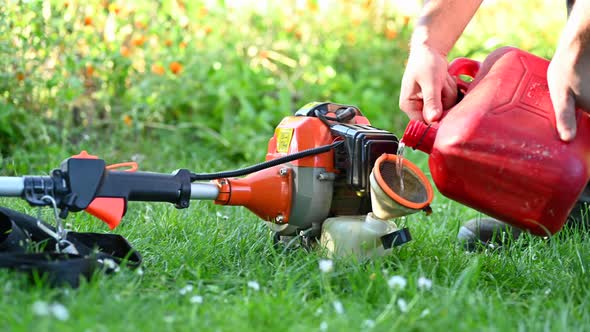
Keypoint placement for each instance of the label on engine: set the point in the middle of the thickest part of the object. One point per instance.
(284, 136)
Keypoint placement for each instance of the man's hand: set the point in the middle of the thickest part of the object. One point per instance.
(569, 86)
(568, 75)
(427, 88)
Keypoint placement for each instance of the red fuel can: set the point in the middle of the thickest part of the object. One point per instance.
(498, 150)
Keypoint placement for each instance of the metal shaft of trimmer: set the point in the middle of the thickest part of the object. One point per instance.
(13, 186)
(204, 191)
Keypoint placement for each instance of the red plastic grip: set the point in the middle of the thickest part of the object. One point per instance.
(109, 210)
(463, 66)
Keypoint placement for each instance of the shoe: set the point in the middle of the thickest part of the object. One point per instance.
(491, 232)
(579, 217)
(486, 232)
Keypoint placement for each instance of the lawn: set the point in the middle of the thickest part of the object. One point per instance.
(69, 85)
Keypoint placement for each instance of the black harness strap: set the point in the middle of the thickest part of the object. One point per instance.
(27, 248)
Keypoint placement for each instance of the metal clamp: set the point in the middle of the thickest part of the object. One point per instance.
(60, 235)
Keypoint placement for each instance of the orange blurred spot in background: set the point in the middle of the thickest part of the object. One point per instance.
(406, 20)
(351, 37)
(390, 30)
(390, 33)
(127, 120)
(114, 8)
(289, 26)
(125, 51)
(87, 20)
(140, 25)
(312, 6)
(138, 41)
(175, 67)
(157, 69)
(89, 70)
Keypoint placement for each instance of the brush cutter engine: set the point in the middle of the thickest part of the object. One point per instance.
(295, 198)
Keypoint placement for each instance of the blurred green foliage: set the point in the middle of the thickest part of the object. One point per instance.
(217, 72)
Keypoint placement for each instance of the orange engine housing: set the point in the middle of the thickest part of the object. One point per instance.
(298, 133)
(299, 195)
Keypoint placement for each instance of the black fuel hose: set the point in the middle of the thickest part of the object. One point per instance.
(266, 164)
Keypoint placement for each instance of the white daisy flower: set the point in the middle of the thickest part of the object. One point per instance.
(319, 311)
(425, 313)
(326, 265)
(186, 289)
(41, 308)
(222, 216)
(402, 304)
(59, 311)
(254, 285)
(196, 299)
(424, 283)
(338, 307)
(397, 282)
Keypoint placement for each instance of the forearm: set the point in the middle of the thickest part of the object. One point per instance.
(575, 38)
(441, 23)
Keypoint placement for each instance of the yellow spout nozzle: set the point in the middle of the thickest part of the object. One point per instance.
(388, 200)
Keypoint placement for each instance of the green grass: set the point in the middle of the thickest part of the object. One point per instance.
(533, 285)
(236, 84)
